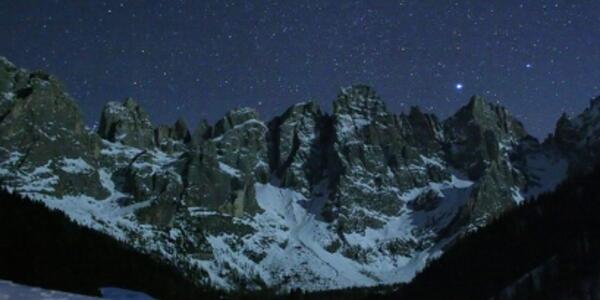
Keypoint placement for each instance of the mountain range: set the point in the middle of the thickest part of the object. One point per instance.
(307, 200)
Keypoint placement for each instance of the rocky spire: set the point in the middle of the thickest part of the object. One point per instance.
(359, 100)
(565, 133)
(172, 138)
(234, 118)
(42, 126)
(295, 150)
(486, 116)
(202, 132)
(241, 141)
(579, 137)
(426, 130)
(481, 132)
(126, 123)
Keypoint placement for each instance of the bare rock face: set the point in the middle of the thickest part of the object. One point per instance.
(483, 140)
(241, 142)
(126, 123)
(42, 134)
(211, 184)
(379, 155)
(172, 138)
(296, 147)
(578, 138)
(479, 130)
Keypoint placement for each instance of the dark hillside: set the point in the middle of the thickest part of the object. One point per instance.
(545, 249)
(42, 247)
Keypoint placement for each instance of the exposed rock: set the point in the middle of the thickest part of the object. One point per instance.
(241, 142)
(172, 138)
(379, 156)
(493, 194)
(578, 138)
(202, 133)
(566, 135)
(477, 133)
(126, 123)
(39, 125)
(295, 146)
(427, 131)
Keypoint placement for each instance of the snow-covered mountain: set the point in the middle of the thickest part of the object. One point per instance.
(307, 200)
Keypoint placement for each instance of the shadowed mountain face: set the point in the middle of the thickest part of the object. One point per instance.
(544, 249)
(307, 200)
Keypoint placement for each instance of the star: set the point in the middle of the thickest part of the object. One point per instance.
(235, 56)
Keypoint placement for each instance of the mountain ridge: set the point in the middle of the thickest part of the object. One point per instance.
(293, 202)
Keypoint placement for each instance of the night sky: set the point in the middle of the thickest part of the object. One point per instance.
(199, 59)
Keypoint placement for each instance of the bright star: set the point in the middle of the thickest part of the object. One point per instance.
(459, 86)
(528, 66)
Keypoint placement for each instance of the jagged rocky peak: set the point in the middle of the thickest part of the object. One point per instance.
(426, 129)
(377, 158)
(481, 133)
(590, 117)
(295, 152)
(172, 138)
(38, 107)
(359, 114)
(579, 137)
(202, 132)
(485, 144)
(126, 123)
(40, 125)
(565, 134)
(359, 100)
(311, 108)
(479, 113)
(241, 142)
(236, 117)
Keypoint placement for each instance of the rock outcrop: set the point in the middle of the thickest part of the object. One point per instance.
(42, 134)
(126, 123)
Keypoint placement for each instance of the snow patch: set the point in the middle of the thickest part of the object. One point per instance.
(227, 169)
(76, 166)
(114, 293)
(11, 290)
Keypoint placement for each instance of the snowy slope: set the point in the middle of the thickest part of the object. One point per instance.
(294, 240)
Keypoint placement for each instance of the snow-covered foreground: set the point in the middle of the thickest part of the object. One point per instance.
(12, 291)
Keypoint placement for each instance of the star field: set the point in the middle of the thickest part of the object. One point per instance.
(199, 59)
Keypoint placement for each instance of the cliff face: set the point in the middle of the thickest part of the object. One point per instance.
(312, 200)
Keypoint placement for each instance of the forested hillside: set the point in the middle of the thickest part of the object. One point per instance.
(44, 248)
(545, 249)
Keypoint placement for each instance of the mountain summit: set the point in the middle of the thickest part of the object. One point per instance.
(306, 200)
